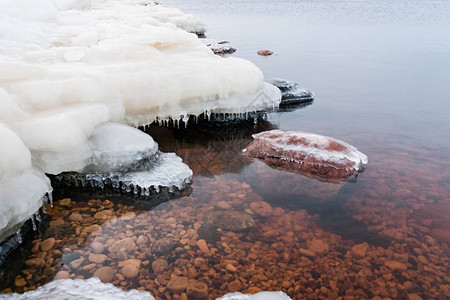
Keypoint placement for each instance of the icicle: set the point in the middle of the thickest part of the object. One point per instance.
(38, 216)
(33, 222)
(19, 236)
(50, 198)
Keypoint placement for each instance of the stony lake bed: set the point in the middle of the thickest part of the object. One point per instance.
(379, 70)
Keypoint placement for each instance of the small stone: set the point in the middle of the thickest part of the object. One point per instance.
(65, 202)
(223, 205)
(177, 285)
(75, 217)
(360, 249)
(262, 208)
(142, 240)
(75, 264)
(135, 262)
(92, 228)
(318, 246)
(160, 265)
(130, 271)
(35, 262)
(229, 220)
(234, 286)
(105, 274)
(396, 265)
(231, 268)
(203, 247)
(97, 247)
(127, 244)
(183, 296)
(97, 258)
(163, 246)
(197, 290)
(20, 282)
(127, 216)
(306, 252)
(62, 275)
(48, 244)
(57, 222)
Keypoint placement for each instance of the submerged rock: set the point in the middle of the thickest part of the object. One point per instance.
(291, 92)
(229, 220)
(264, 52)
(306, 153)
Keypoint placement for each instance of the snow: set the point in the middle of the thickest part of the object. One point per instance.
(257, 296)
(90, 289)
(315, 146)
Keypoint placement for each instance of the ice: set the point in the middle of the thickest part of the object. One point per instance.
(21, 195)
(80, 289)
(291, 92)
(14, 156)
(126, 158)
(257, 296)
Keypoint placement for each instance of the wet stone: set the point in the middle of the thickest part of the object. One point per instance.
(130, 271)
(105, 274)
(163, 245)
(177, 285)
(62, 275)
(197, 290)
(209, 234)
(229, 220)
(48, 244)
(160, 265)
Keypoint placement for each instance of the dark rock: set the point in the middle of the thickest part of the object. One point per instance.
(163, 246)
(291, 93)
(229, 220)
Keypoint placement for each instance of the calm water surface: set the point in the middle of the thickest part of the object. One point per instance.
(381, 73)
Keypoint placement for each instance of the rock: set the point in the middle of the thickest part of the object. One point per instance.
(197, 290)
(177, 285)
(229, 220)
(20, 282)
(92, 228)
(318, 246)
(360, 249)
(203, 247)
(130, 271)
(142, 240)
(160, 265)
(163, 246)
(105, 274)
(261, 208)
(97, 247)
(441, 234)
(309, 154)
(291, 93)
(134, 262)
(219, 47)
(57, 222)
(75, 264)
(234, 286)
(76, 217)
(127, 245)
(128, 216)
(306, 252)
(62, 275)
(97, 258)
(65, 202)
(264, 52)
(223, 205)
(35, 262)
(396, 265)
(209, 233)
(48, 244)
(231, 268)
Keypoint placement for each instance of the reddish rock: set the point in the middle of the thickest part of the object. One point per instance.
(360, 249)
(48, 244)
(306, 153)
(197, 290)
(264, 52)
(105, 274)
(177, 285)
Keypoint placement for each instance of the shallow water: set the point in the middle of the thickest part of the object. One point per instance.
(380, 71)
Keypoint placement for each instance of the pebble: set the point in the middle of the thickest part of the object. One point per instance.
(20, 282)
(62, 275)
(197, 290)
(360, 249)
(160, 265)
(48, 244)
(35, 262)
(97, 258)
(105, 274)
(177, 285)
(130, 271)
(396, 265)
(97, 247)
(203, 247)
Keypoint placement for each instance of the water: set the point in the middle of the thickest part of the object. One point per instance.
(380, 72)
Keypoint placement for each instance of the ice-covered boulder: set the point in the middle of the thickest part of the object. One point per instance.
(128, 159)
(219, 47)
(307, 153)
(291, 92)
(89, 289)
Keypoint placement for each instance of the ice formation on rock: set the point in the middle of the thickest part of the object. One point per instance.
(307, 153)
(219, 47)
(291, 92)
(90, 289)
(126, 158)
(257, 296)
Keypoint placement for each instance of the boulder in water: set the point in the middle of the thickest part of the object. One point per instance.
(307, 153)
(291, 92)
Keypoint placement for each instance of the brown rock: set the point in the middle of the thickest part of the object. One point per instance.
(62, 275)
(160, 265)
(306, 252)
(65, 202)
(92, 228)
(35, 262)
(318, 246)
(264, 52)
(204, 247)
(231, 268)
(135, 262)
(57, 222)
(130, 271)
(142, 240)
(177, 285)
(262, 208)
(163, 246)
(127, 216)
(229, 220)
(105, 274)
(48, 244)
(127, 245)
(97, 258)
(223, 205)
(234, 286)
(360, 249)
(20, 282)
(197, 290)
(75, 264)
(396, 265)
